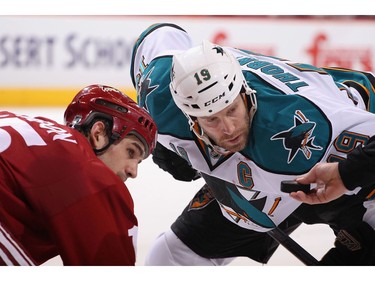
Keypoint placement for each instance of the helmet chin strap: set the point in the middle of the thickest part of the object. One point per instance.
(253, 103)
(111, 140)
(101, 150)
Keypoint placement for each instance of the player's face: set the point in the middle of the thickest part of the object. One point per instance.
(229, 128)
(124, 156)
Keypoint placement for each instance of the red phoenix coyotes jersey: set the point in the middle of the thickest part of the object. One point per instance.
(58, 198)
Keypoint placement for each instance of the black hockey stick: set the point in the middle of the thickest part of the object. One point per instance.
(227, 194)
(292, 246)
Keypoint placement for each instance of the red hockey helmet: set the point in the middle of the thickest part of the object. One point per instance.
(107, 102)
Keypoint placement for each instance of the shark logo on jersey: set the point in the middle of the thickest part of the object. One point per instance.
(299, 137)
(144, 86)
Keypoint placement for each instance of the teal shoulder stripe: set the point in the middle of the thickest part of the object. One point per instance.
(140, 39)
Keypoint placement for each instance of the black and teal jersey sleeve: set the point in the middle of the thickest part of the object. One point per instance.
(363, 82)
(359, 168)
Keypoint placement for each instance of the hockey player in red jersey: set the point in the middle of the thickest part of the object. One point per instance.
(62, 188)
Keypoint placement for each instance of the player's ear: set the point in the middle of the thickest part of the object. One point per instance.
(98, 136)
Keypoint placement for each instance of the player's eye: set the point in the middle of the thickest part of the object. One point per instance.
(131, 153)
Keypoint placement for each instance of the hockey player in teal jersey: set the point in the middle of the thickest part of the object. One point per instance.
(251, 121)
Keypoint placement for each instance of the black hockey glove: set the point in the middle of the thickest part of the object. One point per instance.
(353, 246)
(174, 164)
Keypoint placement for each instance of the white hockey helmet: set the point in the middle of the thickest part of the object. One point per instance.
(205, 79)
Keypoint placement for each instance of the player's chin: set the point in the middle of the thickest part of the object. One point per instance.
(122, 176)
(235, 147)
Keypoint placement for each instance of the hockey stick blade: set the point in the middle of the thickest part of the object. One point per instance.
(292, 246)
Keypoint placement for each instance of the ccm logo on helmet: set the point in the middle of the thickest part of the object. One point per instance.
(215, 99)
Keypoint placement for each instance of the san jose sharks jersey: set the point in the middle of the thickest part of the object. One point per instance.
(305, 115)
